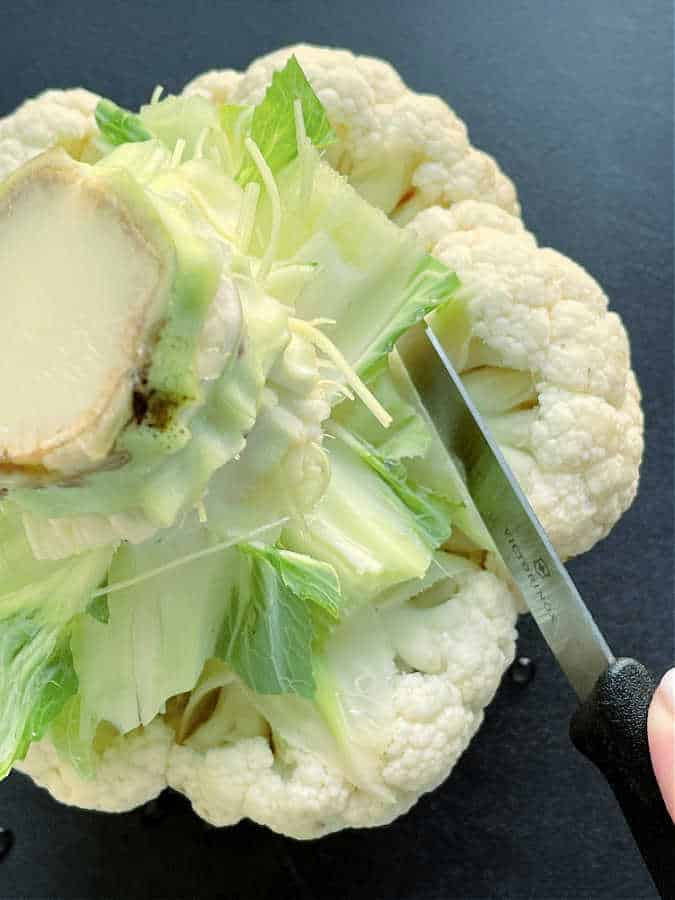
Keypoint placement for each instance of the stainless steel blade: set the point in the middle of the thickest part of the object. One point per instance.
(548, 590)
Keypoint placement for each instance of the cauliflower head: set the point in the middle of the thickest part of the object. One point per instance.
(402, 681)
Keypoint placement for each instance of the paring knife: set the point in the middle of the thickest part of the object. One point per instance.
(610, 725)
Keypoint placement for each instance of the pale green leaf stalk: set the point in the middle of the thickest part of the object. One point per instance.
(282, 604)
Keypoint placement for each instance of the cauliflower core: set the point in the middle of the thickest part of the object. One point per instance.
(68, 374)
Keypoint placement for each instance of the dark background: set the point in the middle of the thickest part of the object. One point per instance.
(575, 100)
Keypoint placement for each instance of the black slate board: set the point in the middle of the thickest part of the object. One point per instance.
(575, 100)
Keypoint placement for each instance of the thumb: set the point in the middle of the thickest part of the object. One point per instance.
(661, 733)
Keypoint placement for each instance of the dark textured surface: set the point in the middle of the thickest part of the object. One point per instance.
(575, 100)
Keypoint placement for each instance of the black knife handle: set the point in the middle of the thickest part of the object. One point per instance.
(610, 728)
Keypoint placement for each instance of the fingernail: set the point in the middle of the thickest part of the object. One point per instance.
(666, 691)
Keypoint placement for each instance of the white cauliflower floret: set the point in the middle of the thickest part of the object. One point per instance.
(215, 86)
(549, 367)
(56, 118)
(130, 771)
(458, 651)
(402, 150)
(292, 793)
(434, 699)
(295, 777)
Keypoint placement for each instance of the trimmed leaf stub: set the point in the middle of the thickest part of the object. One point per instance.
(85, 268)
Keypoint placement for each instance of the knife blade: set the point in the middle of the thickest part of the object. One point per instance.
(610, 724)
(541, 578)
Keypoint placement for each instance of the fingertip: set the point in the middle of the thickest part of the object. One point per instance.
(661, 734)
